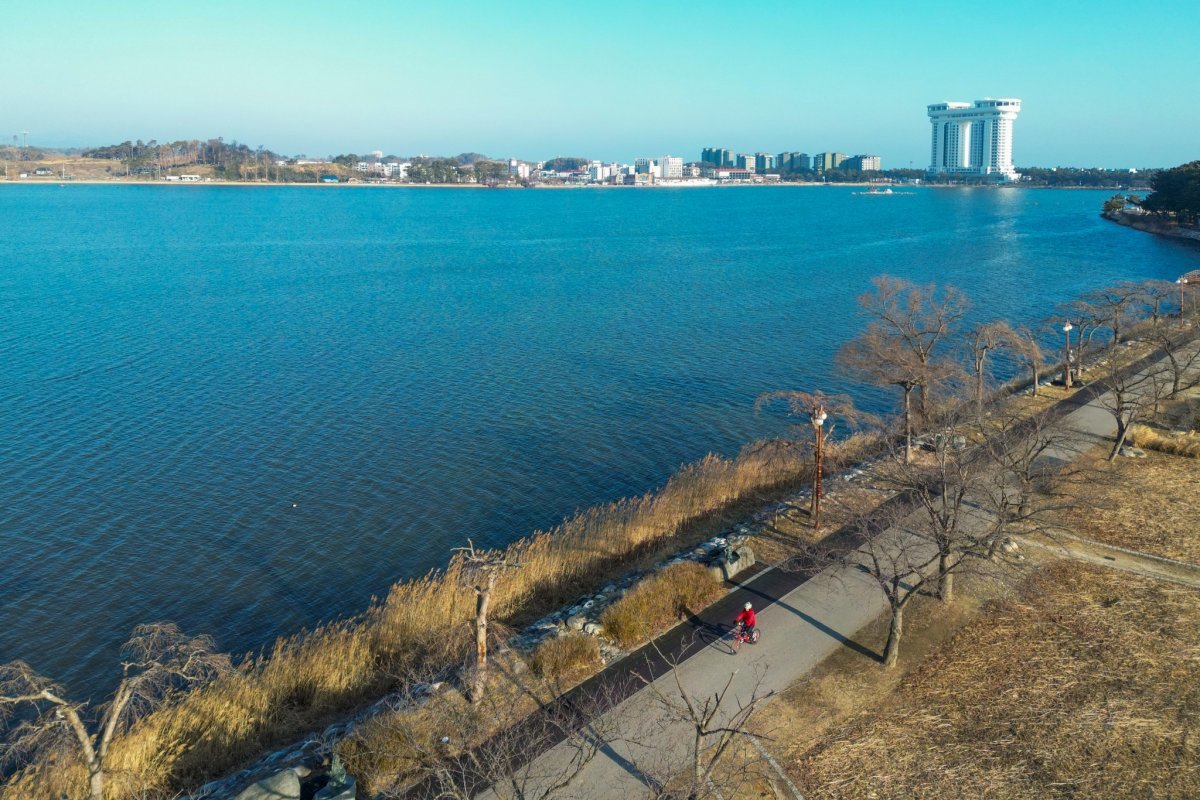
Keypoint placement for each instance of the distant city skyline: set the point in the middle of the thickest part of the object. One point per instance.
(534, 80)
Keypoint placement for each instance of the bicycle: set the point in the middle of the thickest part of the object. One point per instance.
(740, 634)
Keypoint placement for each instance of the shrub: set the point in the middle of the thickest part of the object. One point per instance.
(659, 601)
(565, 658)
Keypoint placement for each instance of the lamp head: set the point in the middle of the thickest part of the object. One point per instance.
(820, 418)
(1068, 327)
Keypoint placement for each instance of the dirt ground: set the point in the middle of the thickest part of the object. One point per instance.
(1151, 504)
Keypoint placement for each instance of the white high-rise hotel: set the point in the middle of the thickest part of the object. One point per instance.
(973, 139)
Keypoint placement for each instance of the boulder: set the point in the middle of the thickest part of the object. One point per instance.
(1128, 451)
(736, 561)
(577, 622)
(593, 629)
(280, 786)
(744, 560)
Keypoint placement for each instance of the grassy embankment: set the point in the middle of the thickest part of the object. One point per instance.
(308, 680)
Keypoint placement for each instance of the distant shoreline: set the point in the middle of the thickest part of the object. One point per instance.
(575, 187)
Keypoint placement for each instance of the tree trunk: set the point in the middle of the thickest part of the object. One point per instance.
(95, 782)
(979, 383)
(1122, 433)
(816, 498)
(483, 596)
(945, 579)
(891, 651)
(907, 425)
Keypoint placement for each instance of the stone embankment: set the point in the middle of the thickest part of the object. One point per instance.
(1151, 224)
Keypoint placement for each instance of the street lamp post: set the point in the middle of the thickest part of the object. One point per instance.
(818, 422)
(1067, 328)
(1180, 283)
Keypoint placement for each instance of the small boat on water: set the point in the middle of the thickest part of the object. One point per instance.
(875, 191)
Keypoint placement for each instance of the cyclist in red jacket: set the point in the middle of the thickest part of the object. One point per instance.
(747, 619)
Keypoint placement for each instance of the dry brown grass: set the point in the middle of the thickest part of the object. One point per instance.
(1177, 444)
(1149, 505)
(396, 748)
(1088, 685)
(791, 532)
(391, 751)
(309, 679)
(658, 602)
(565, 659)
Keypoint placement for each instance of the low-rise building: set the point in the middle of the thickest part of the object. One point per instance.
(728, 173)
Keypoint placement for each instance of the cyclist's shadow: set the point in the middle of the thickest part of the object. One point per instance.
(705, 634)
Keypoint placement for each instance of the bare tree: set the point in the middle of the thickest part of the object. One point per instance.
(1182, 355)
(1154, 295)
(1129, 394)
(982, 478)
(712, 728)
(901, 563)
(1024, 343)
(872, 359)
(1031, 472)
(901, 344)
(160, 661)
(985, 338)
(482, 568)
(917, 320)
(1114, 308)
(940, 486)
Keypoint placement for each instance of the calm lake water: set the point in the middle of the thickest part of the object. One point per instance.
(248, 410)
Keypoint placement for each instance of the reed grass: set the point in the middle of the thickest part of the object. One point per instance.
(563, 659)
(310, 679)
(658, 602)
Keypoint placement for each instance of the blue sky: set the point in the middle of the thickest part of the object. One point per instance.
(1103, 83)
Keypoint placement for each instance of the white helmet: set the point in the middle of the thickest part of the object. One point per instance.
(748, 606)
